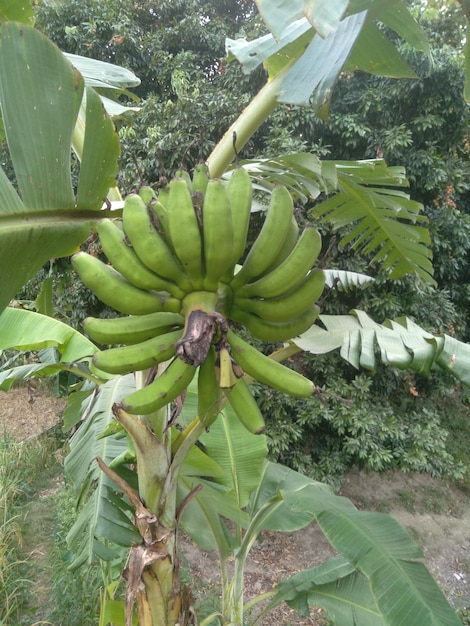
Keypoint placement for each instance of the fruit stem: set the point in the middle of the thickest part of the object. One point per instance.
(248, 122)
(199, 300)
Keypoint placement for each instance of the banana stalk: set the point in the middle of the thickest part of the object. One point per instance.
(152, 570)
(248, 122)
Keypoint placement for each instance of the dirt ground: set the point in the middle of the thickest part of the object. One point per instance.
(435, 512)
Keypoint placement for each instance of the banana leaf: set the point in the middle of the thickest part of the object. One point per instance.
(104, 525)
(316, 41)
(380, 549)
(400, 343)
(343, 280)
(18, 10)
(30, 331)
(241, 456)
(40, 97)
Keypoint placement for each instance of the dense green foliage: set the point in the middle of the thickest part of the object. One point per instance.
(190, 94)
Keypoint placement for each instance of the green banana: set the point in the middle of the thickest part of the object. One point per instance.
(245, 407)
(200, 178)
(289, 305)
(208, 390)
(130, 329)
(240, 193)
(217, 234)
(270, 239)
(291, 272)
(148, 243)
(184, 231)
(184, 175)
(147, 194)
(267, 371)
(162, 196)
(140, 356)
(226, 375)
(275, 331)
(123, 258)
(163, 390)
(115, 291)
(287, 246)
(159, 214)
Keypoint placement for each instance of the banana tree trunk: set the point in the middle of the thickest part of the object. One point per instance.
(152, 572)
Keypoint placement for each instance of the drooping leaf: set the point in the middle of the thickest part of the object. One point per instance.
(381, 549)
(251, 54)
(103, 75)
(104, 514)
(334, 586)
(28, 330)
(347, 601)
(400, 343)
(375, 54)
(324, 15)
(311, 78)
(40, 96)
(313, 65)
(398, 17)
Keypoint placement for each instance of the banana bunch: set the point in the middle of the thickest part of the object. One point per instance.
(172, 273)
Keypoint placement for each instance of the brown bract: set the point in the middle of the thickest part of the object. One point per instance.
(201, 328)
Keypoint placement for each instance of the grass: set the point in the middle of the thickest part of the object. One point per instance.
(33, 552)
(12, 477)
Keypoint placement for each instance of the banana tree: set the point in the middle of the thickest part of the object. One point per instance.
(47, 218)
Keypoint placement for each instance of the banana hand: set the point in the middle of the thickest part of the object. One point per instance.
(148, 243)
(290, 305)
(208, 391)
(275, 331)
(123, 258)
(184, 231)
(245, 407)
(240, 195)
(217, 234)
